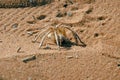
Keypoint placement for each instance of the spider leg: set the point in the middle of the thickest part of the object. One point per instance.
(40, 34)
(58, 25)
(56, 38)
(74, 33)
(43, 38)
(80, 40)
(60, 37)
(75, 36)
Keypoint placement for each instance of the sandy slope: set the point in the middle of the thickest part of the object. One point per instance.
(98, 25)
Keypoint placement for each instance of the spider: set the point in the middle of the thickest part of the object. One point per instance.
(58, 35)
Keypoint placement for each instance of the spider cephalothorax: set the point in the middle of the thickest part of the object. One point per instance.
(58, 35)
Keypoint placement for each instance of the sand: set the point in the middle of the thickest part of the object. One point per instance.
(97, 23)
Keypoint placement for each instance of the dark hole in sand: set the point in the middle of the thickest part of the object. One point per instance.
(101, 18)
(89, 11)
(59, 14)
(96, 35)
(65, 5)
(41, 17)
(81, 31)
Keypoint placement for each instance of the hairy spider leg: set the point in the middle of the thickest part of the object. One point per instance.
(43, 38)
(61, 34)
(56, 37)
(40, 34)
(75, 35)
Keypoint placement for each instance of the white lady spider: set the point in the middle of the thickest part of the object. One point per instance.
(58, 35)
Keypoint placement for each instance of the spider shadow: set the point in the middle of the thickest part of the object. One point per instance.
(67, 44)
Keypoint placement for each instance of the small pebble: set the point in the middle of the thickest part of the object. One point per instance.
(25, 60)
(69, 57)
(30, 33)
(69, 14)
(47, 47)
(31, 22)
(18, 50)
(76, 56)
(15, 25)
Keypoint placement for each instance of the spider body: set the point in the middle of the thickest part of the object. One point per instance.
(58, 35)
(61, 34)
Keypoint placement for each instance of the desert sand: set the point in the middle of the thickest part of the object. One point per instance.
(97, 23)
